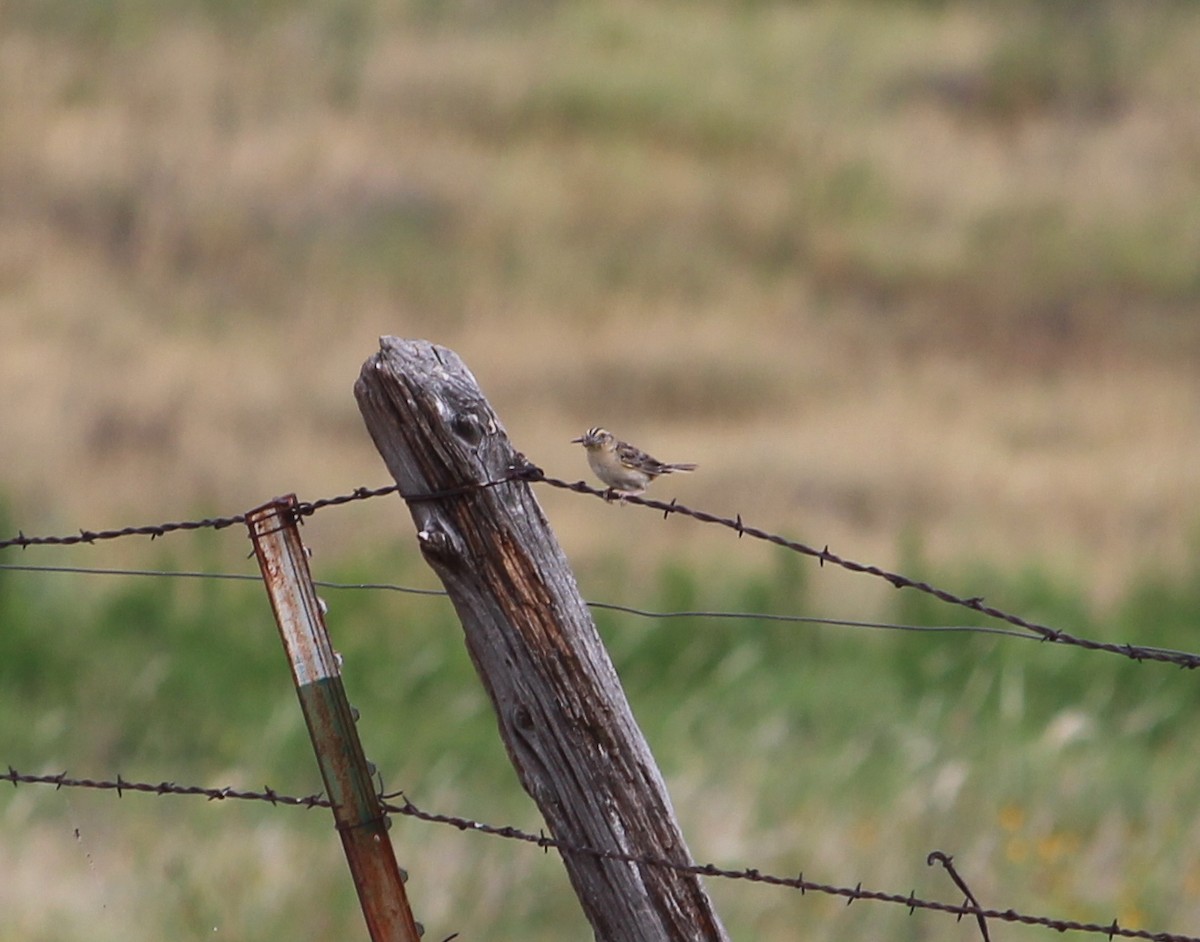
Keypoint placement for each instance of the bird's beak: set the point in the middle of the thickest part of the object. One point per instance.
(577, 441)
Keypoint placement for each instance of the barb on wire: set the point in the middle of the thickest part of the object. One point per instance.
(154, 531)
(120, 786)
(947, 861)
(523, 470)
(899, 581)
(308, 508)
(750, 874)
(519, 472)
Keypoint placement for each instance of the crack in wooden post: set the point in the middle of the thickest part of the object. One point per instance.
(562, 713)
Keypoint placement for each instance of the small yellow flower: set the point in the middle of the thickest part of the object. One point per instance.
(1012, 818)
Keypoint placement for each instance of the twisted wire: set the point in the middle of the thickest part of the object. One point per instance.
(399, 803)
(525, 471)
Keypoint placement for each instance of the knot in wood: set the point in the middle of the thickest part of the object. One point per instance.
(468, 427)
(435, 542)
(522, 718)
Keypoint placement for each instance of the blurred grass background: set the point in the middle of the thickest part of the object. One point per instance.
(915, 279)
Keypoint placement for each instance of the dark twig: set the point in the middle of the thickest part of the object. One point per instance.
(948, 862)
(749, 874)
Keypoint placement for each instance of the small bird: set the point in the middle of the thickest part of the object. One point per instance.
(625, 469)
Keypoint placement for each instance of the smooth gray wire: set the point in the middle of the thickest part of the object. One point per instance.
(605, 606)
(812, 619)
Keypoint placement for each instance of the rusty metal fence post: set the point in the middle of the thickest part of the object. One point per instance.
(359, 818)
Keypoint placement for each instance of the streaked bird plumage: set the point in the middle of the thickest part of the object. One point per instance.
(626, 469)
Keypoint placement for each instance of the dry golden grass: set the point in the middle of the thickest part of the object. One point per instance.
(882, 269)
(872, 269)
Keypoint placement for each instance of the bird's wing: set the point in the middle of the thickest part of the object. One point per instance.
(633, 457)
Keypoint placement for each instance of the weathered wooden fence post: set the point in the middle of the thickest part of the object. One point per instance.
(562, 713)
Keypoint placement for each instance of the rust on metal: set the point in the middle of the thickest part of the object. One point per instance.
(358, 814)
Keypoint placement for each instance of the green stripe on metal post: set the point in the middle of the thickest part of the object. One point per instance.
(360, 820)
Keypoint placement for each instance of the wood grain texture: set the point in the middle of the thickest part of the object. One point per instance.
(561, 710)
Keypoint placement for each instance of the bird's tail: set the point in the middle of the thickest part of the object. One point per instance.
(668, 468)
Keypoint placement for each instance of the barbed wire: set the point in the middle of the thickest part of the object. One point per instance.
(302, 509)
(526, 471)
(154, 531)
(825, 555)
(121, 785)
(398, 803)
(1031, 630)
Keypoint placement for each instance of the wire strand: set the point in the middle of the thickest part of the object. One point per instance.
(749, 874)
(897, 580)
(527, 472)
(602, 606)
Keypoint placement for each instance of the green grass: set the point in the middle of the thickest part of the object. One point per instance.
(774, 219)
(1054, 775)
